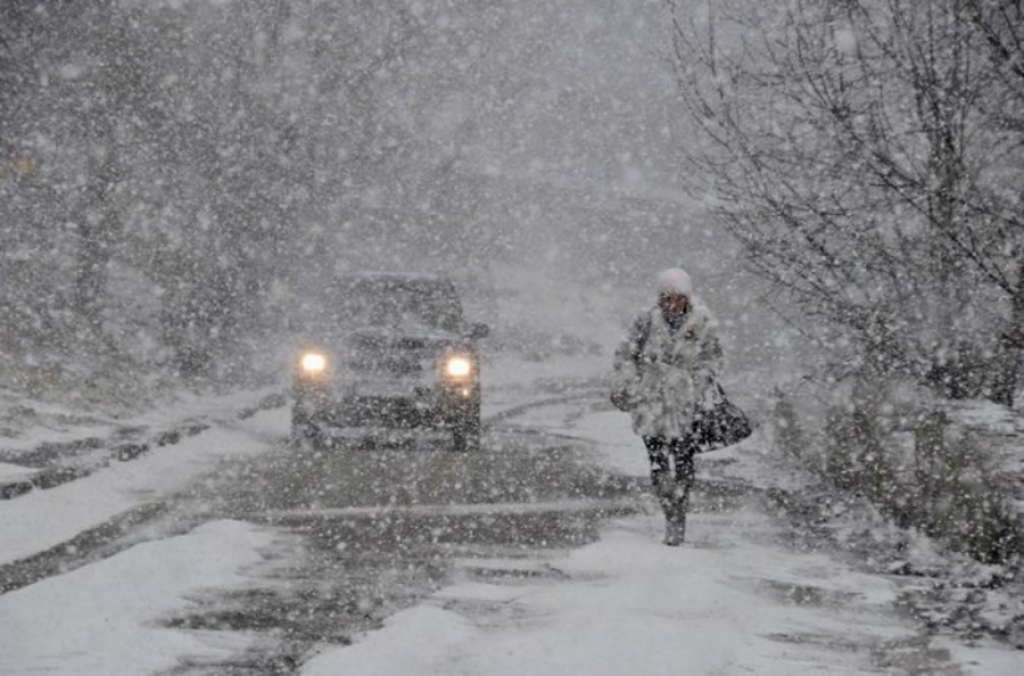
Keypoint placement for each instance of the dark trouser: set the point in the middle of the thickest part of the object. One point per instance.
(672, 475)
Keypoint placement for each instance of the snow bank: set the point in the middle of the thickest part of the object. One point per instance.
(99, 619)
(43, 519)
(27, 423)
(411, 640)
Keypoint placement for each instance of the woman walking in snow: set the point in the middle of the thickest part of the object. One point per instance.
(663, 372)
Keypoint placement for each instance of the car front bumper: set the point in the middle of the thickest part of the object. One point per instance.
(439, 407)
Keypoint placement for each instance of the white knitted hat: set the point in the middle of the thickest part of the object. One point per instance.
(674, 281)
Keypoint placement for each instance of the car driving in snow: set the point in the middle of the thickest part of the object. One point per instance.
(391, 351)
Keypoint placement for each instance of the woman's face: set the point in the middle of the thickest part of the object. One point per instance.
(673, 304)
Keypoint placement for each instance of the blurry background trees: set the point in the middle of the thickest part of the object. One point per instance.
(172, 172)
(175, 173)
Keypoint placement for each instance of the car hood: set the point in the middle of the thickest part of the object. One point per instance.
(375, 339)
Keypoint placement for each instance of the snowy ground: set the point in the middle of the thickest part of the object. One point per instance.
(730, 603)
(737, 599)
(26, 423)
(733, 601)
(40, 520)
(99, 619)
(43, 446)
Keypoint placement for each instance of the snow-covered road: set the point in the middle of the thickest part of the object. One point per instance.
(522, 559)
(729, 603)
(735, 600)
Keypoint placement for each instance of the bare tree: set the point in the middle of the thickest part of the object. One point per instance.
(847, 146)
(1001, 25)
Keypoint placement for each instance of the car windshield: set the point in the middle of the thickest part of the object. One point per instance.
(396, 303)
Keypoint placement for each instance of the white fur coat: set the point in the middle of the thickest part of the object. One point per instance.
(661, 375)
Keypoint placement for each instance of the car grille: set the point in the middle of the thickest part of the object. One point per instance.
(391, 365)
(398, 411)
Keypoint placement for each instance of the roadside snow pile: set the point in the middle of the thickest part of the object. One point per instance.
(44, 519)
(26, 422)
(412, 640)
(99, 620)
(915, 486)
(948, 592)
(54, 447)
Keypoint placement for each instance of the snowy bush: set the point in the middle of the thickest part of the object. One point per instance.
(923, 472)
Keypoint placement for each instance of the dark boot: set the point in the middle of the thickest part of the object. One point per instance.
(684, 472)
(675, 528)
(675, 516)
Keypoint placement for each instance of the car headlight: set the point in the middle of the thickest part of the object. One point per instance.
(313, 363)
(458, 367)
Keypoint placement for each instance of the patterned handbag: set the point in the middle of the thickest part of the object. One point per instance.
(724, 424)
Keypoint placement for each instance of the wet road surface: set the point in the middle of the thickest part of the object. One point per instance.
(372, 528)
(369, 527)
